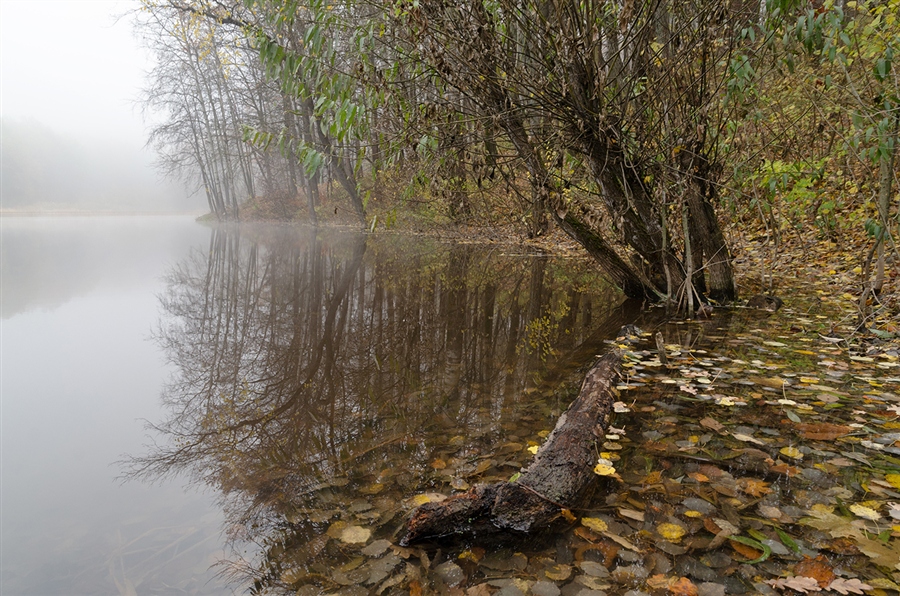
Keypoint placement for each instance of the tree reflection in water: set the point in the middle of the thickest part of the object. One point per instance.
(326, 377)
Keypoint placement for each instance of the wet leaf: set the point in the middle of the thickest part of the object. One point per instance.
(740, 544)
(753, 487)
(849, 586)
(864, 512)
(671, 532)
(791, 452)
(797, 583)
(355, 535)
(558, 573)
(594, 523)
(817, 568)
(822, 431)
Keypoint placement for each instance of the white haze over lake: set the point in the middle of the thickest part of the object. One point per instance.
(73, 137)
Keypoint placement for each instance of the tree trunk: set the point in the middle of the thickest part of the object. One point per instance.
(557, 479)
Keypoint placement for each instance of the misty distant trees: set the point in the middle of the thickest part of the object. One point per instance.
(45, 170)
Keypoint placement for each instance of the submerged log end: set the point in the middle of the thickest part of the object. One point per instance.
(557, 478)
(459, 514)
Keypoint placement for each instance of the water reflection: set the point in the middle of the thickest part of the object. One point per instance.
(324, 378)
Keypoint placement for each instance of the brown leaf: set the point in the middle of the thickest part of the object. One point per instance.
(797, 583)
(753, 487)
(817, 569)
(748, 552)
(683, 587)
(587, 534)
(822, 431)
(712, 424)
(848, 586)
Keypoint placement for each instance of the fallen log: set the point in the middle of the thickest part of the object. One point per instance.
(555, 480)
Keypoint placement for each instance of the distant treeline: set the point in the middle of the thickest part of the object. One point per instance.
(44, 170)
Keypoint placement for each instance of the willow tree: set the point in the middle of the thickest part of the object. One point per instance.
(618, 102)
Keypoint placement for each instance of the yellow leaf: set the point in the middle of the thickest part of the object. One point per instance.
(604, 470)
(533, 449)
(355, 535)
(893, 480)
(791, 452)
(671, 532)
(864, 512)
(594, 523)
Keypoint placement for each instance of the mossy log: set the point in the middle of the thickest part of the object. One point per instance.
(556, 479)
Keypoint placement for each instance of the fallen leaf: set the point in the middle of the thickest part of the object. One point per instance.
(791, 452)
(753, 487)
(594, 523)
(822, 431)
(711, 424)
(817, 568)
(748, 552)
(671, 532)
(355, 535)
(849, 586)
(797, 583)
(683, 587)
(864, 512)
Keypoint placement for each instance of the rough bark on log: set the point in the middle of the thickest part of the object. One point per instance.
(556, 479)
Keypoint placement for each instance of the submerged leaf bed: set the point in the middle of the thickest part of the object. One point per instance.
(763, 458)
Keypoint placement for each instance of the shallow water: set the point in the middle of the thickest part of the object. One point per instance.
(310, 379)
(329, 381)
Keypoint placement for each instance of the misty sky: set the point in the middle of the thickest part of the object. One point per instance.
(76, 68)
(70, 65)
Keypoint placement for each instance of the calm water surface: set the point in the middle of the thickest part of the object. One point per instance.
(320, 383)
(79, 299)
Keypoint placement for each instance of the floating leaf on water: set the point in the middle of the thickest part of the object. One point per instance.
(355, 535)
(671, 532)
(791, 452)
(595, 523)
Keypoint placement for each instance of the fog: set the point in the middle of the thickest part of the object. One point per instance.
(72, 132)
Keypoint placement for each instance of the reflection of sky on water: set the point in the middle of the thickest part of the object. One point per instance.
(79, 301)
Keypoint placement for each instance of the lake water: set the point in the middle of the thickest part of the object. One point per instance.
(315, 380)
(79, 300)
